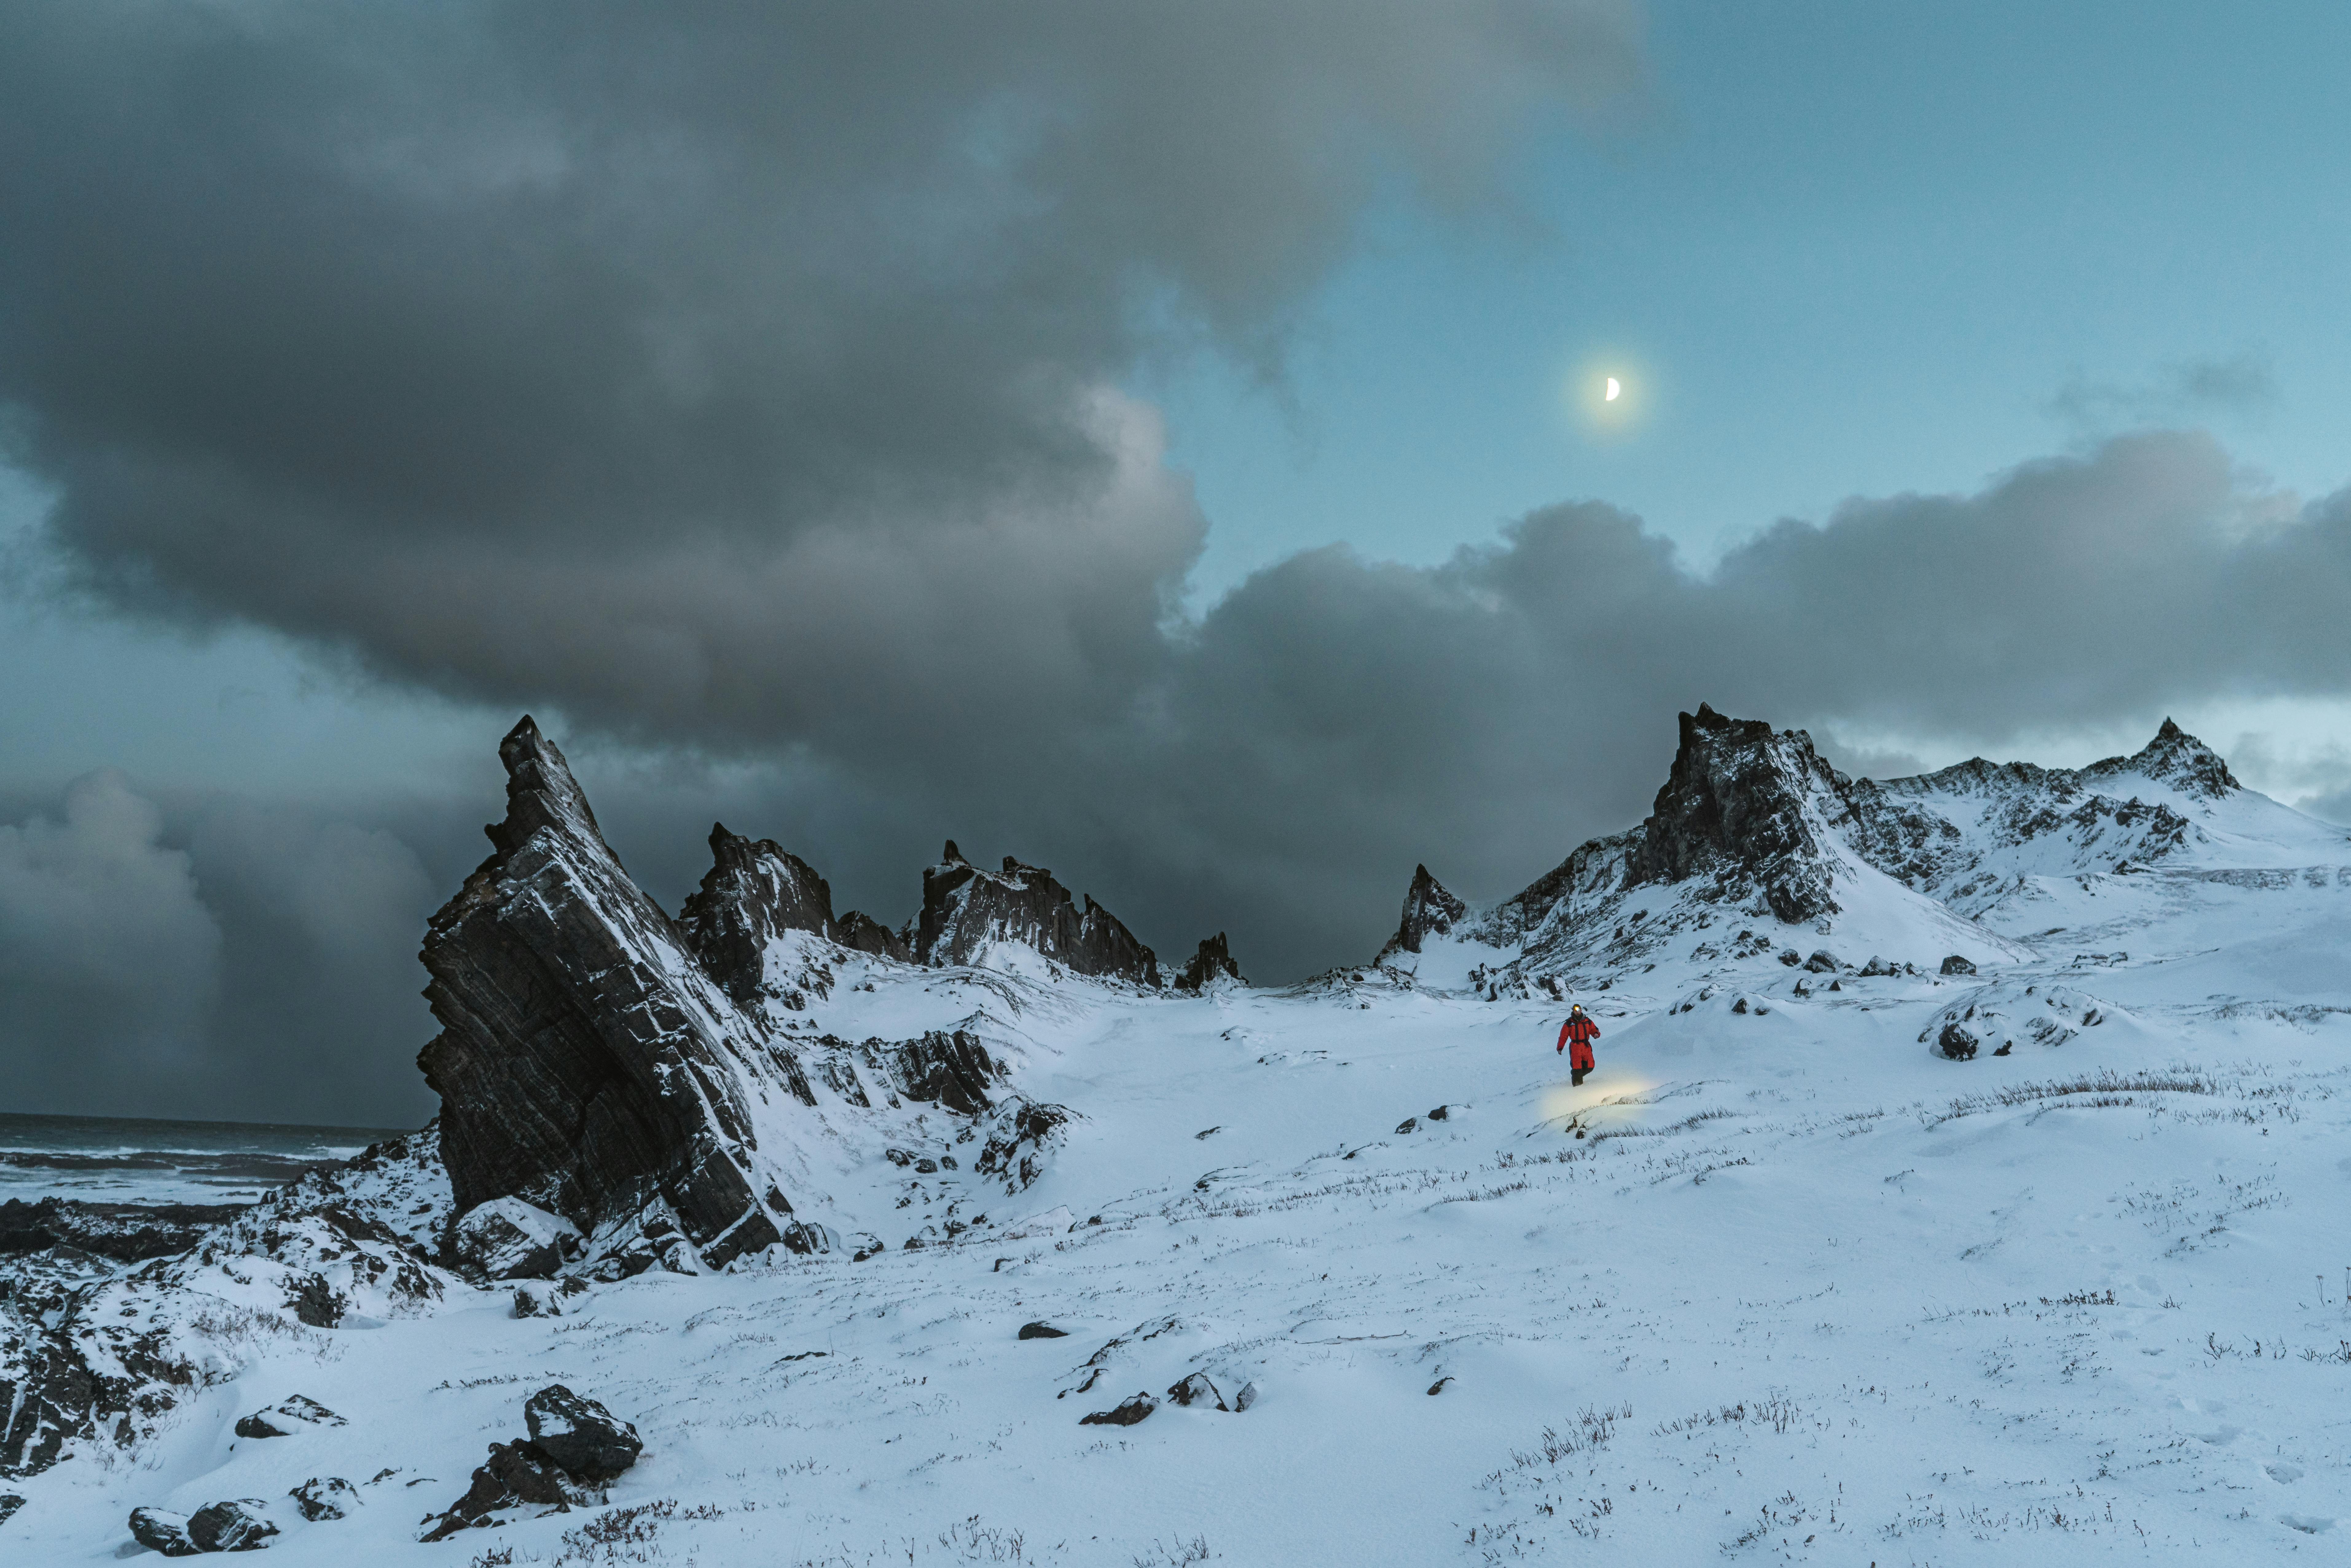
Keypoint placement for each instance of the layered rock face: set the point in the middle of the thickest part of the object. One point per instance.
(1743, 803)
(585, 1064)
(621, 1090)
(967, 911)
(754, 893)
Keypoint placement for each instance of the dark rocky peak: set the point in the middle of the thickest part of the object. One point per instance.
(966, 910)
(862, 931)
(1742, 803)
(585, 1064)
(1213, 962)
(754, 892)
(1428, 911)
(2175, 757)
(540, 792)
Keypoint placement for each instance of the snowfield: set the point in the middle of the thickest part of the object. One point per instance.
(1780, 1283)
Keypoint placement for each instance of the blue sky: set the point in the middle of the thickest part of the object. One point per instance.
(1851, 250)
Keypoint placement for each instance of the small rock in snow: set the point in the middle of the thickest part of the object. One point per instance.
(160, 1531)
(1878, 966)
(1442, 1113)
(1197, 1389)
(322, 1497)
(1246, 1397)
(1205, 1131)
(515, 1474)
(1836, 984)
(1127, 1414)
(1740, 1006)
(1438, 1387)
(1957, 1044)
(288, 1418)
(1409, 1124)
(1822, 962)
(898, 1157)
(235, 1525)
(588, 1440)
(1790, 957)
(1043, 1330)
(926, 1167)
(9, 1503)
(1956, 965)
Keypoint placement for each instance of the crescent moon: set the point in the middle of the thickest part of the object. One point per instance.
(1614, 391)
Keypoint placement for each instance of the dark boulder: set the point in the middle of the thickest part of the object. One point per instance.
(1043, 1330)
(580, 1435)
(9, 1503)
(1957, 1044)
(325, 1497)
(1877, 968)
(1213, 962)
(966, 910)
(516, 1475)
(287, 1418)
(1409, 1124)
(1822, 962)
(235, 1525)
(754, 892)
(158, 1530)
(1126, 1414)
(1956, 965)
(507, 1239)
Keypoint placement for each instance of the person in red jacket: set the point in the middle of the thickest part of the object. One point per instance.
(1580, 1031)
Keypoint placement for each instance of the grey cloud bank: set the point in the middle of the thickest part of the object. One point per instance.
(752, 387)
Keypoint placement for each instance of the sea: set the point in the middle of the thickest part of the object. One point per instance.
(116, 1159)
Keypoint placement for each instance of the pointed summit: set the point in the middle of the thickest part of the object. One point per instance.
(1428, 911)
(2177, 759)
(540, 791)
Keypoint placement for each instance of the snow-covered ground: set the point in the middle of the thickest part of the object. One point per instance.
(1803, 1291)
(1780, 1283)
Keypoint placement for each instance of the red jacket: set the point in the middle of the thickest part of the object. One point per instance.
(1580, 1031)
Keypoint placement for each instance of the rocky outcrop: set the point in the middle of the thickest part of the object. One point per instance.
(108, 1353)
(1212, 963)
(2174, 757)
(754, 893)
(860, 932)
(124, 1232)
(584, 1063)
(1428, 911)
(1741, 803)
(967, 911)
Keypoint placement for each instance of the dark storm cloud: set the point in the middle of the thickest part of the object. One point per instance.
(737, 374)
(211, 958)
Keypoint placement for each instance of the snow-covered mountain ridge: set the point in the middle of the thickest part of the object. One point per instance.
(1753, 823)
(1828, 1262)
